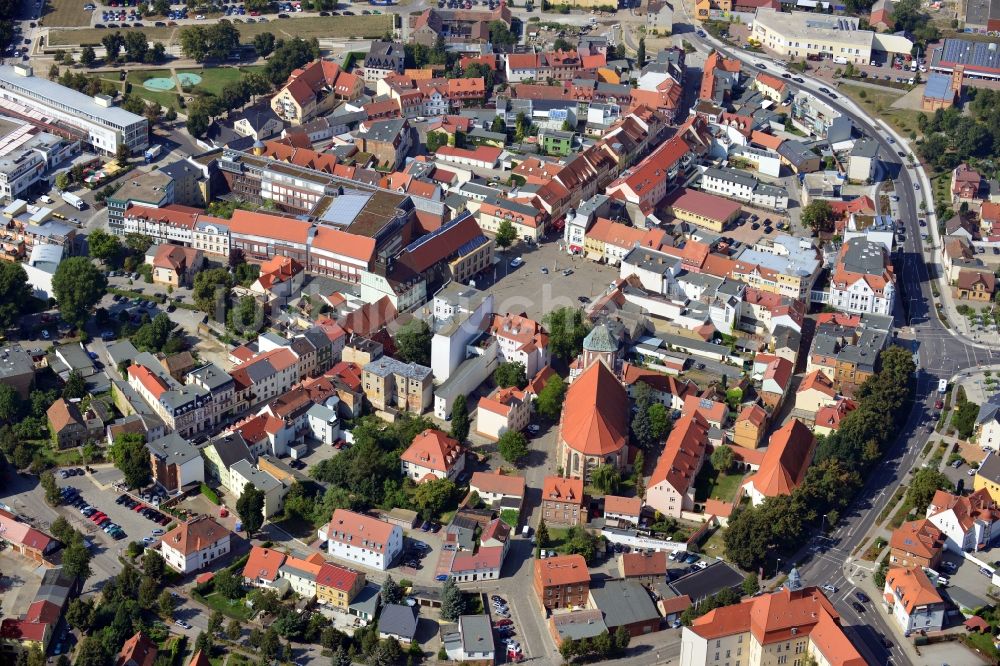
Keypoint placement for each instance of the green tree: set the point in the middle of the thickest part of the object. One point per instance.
(580, 542)
(76, 560)
(459, 419)
(250, 507)
(452, 601)
(78, 286)
(91, 653)
(567, 328)
(210, 289)
(606, 478)
(640, 57)
(10, 404)
(226, 582)
(198, 120)
(103, 245)
(165, 605)
(964, 418)
(510, 374)
(123, 152)
(80, 614)
(750, 584)
(513, 446)
(263, 43)
(62, 180)
(435, 140)
(87, 56)
(433, 497)
(215, 621)
(500, 34)
(48, 481)
(541, 536)
(154, 566)
(722, 459)
(247, 318)
(391, 592)
(521, 127)
(498, 125)
(548, 404)
(75, 387)
(638, 474)
(15, 292)
(818, 216)
(234, 630)
(926, 481)
(413, 342)
(506, 234)
(129, 454)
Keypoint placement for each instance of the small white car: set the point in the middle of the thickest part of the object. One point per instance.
(830, 588)
(516, 261)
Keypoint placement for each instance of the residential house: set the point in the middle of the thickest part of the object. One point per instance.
(504, 409)
(139, 650)
(800, 622)
(750, 427)
(702, 209)
(562, 581)
(521, 340)
(828, 418)
(497, 488)
(966, 183)
(398, 621)
(25, 540)
(670, 489)
(17, 370)
(643, 567)
(776, 382)
(863, 160)
(528, 221)
(174, 265)
(915, 602)
(68, 427)
(338, 586)
(433, 455)
(390, 384)
(563, 501)
(789, 454)
(176, 463)
(301, 574)
(772, 87)
(815, 392)
(471, 641)
(975, 286)
(383, 58)
(361, 539)
(863, 279)
(622, 511)
(259, 122)
(987, 430)
(280, 277)
(244, 473)
(262, 567)
(195, 544)
(969, 523)
(916, 543)
(314, 90)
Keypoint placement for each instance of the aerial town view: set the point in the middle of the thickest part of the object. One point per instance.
(399, 332)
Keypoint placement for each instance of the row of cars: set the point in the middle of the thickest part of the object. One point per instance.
(504, 628)
(147, 511)
(71, 497)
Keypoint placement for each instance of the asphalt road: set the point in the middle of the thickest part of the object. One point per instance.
(942, 355)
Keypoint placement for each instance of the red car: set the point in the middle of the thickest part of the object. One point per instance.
(505, 622)
(139, 507)
(939, 404)
(97, 516)
(255, 13)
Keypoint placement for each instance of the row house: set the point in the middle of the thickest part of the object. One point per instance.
(184, 409)
(863, 280)
(528, 221)
(179, 225)
(671, 487)
(265, 376)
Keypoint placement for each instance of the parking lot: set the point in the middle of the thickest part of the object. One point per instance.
(527, 289)
(135, 525)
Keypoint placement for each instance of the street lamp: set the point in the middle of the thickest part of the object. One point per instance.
(822, 529)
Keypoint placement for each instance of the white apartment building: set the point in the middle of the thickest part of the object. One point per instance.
(101, 124)
(804, 34)
(359, 539)
(916, 604)
(193, 545)
(863, 281)
(742, 186)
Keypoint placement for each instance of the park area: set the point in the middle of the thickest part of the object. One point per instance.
(320, 27)
(65, 14)
(161, 85)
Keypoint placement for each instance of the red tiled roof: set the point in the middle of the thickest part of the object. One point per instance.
(789, 452)
(558, 489)
(195, 535)
(137, 651)
(562, 570)
(337, 577)
(920, 537)
(263, 563)
(434, 450)
(269, 226)
(595, 413)
(683, 453)
(498, 483)
(350, 527)
(715, 208)
(626, 506)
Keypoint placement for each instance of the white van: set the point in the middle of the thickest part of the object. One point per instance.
(525, 531)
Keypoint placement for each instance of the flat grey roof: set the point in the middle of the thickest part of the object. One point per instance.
(174, 449)
(624, 602)
(706, 582)
(15, 362)
(477, 633)
(43, 90)
(262, 481)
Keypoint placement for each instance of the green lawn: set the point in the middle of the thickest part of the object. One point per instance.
(711, 484)
(983, 643)
(511, 517)
(557, 537)
(237, 609)
(214, 79)
(880, 102)
(66, 457)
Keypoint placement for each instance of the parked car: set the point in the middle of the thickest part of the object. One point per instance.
(516, 261)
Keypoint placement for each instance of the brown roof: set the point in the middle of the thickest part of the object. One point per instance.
(920, 537)
(558, 489)
(195, 535)
(755, 414)
(595, 413)
(62, 414)
(817, 380)
(713, 207)
(137, 651)
(628, 506)
(349, 527)
(643, 564)
(562, 570)
(913, 588)
(683, 453)
(434, 450)
(498, 483)
(675, 604)
(969, 279)
(789, 452)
